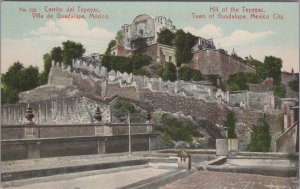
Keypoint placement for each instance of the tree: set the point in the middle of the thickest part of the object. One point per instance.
(9, 95)
(237, 81)
(111, 44)
(184, 43)
(71, 50)
(12, 77)
(185, 73)
(294, 84)
(252, 78)
(279, 91)
(197, 76)
(43, 77)
(272, 68)
(230, 124)
(177, 129)
(3, 97)
(105, 61)
(56, 54)
(253, 62)
(122, 108)
(139, 43)
(213, 78)
(18, 79)
(166, 37)
(260, 139)
(169, 72)
(28, 78)
(119, 38)
(140, 60)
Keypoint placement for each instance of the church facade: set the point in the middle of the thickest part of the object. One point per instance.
(147, 27)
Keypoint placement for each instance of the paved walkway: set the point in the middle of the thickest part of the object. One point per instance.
(53, 162)
(96, 181)
(223, 180)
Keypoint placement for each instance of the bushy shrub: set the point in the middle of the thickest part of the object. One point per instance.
(230, 125)
(260, 140)
(177, 130)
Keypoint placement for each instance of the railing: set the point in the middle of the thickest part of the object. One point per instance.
(286, 138)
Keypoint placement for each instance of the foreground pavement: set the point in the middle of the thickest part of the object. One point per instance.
(96, 179)
(150, 170)
(226, 180)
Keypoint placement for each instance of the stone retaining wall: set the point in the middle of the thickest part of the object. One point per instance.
(60, 111)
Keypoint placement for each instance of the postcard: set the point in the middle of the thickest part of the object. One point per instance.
(149, 94)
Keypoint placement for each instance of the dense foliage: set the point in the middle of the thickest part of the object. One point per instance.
(260, 140)
(230, 125)
(121, 109)
(132, 64)
(18, 79)
(271, 67)
(139, 43)
(187, 74)
(166, 37)
(169, 72)
(294, 84)
(182, 41)
(119, 38)
(111, 44)
(71, 50)
(174, 129)
(237, 81)
(279, 91)
(56, 54)
(213, 78)
(43, 78)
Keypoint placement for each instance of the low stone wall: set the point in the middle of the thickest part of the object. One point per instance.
(215, 62)
(126, 92)
(12, 133)
(246, 119)
(200, 109)
(285, 79)
(59, 77)
(253, 100)
(77, 110)
(52, 131)
(70, 148)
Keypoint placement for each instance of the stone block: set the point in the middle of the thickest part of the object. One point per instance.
(221, 147)
(233, 145)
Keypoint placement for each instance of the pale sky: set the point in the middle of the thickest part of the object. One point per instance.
(26, 39)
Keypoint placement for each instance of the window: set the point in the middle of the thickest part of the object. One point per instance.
(141, 32)
(170, 58)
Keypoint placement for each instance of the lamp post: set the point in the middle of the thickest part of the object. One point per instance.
(148, 117)
(129, 135)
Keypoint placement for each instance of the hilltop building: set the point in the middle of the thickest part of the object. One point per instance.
(206, 58)
(159, 53)
(145, 26)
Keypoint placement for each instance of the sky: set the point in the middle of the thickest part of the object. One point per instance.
(26, 39)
